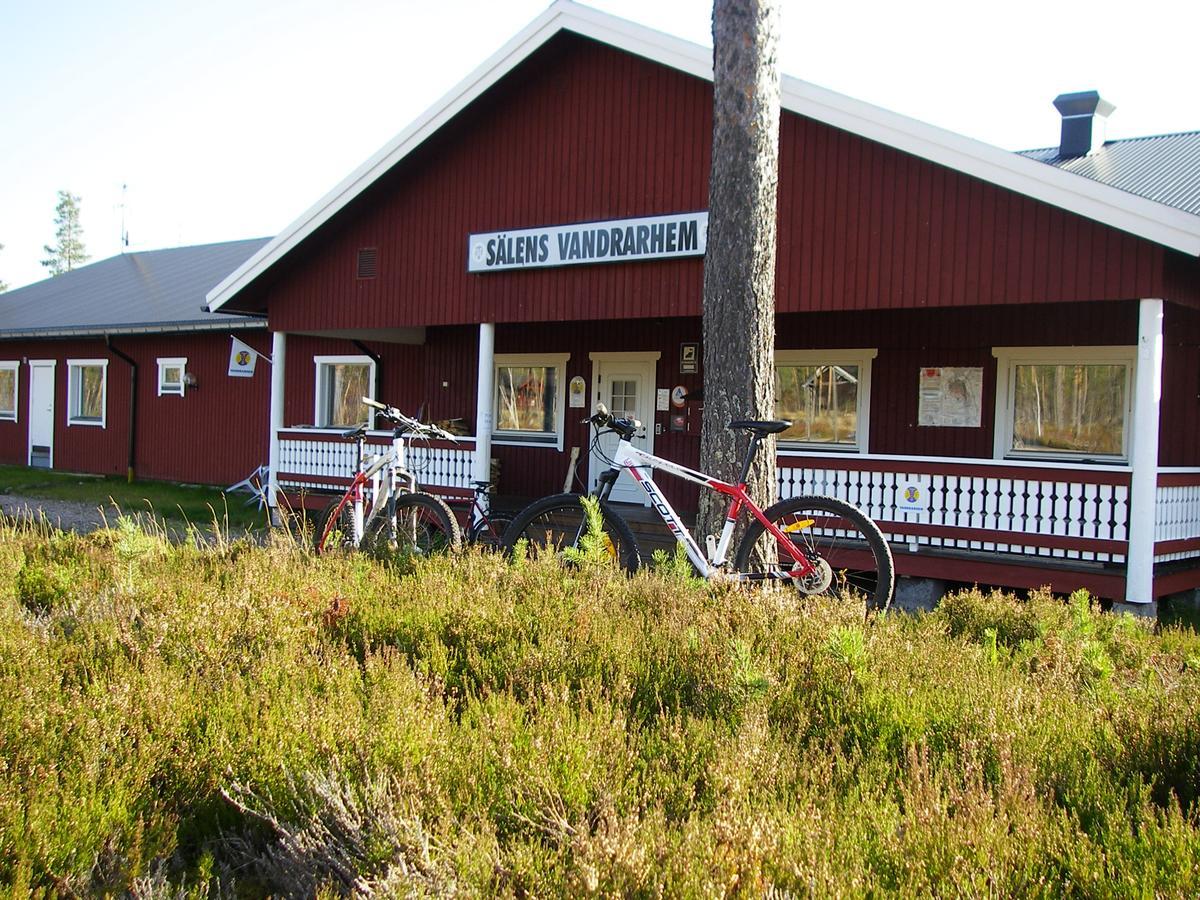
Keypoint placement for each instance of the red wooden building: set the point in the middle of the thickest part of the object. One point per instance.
(115, 367)
(993, 355)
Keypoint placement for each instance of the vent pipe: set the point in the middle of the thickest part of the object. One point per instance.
(1083, 118)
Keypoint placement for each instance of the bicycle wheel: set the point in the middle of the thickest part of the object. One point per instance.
(488, 532)
(853, 560)
(424, 525)
(558, 522)
(339, 533)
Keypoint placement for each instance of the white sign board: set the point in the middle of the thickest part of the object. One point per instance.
(950, 397)
(912, 496)
(619, 240)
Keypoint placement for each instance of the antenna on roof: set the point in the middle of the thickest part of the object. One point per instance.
(124, 232)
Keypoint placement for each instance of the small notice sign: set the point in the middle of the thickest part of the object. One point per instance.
(689, 359)
(950, 397)
(576, 392)
(912, 496)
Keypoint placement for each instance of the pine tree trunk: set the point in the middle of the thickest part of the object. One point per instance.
(739, 264)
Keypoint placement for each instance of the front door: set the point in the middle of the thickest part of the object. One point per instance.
(625, 383)
(41, 413)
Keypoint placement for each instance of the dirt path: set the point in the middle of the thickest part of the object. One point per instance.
(69, 515)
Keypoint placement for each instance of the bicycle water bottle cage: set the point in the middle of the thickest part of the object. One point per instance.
(762, 429)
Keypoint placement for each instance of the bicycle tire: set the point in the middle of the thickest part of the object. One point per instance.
(558, 521)
(340, 534)
(489, 533)
(425, 525)
(859, 561)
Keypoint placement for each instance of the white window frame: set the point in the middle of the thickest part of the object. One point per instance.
(172, 362)
(556, 361)
(1007, 360)
(14, 366)
(321, 386)
(74, 366)
(858, 356)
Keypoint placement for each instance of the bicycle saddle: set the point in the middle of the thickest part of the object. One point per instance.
(762, 428)
(355, 432)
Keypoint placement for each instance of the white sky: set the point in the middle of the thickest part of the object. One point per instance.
(227, 119)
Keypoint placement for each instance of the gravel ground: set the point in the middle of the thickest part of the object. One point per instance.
(69, 515)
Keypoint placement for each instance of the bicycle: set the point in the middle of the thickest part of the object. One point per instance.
(382, 508)
(485, 528)
(819, 545)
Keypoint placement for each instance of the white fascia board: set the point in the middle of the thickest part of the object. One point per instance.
(1110, 206)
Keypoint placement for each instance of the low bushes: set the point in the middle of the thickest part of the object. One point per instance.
(253, 720)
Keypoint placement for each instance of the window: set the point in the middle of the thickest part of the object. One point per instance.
(8, 391)
(342, 382)
(87, 382)
(826, 394)
(529, 398)
(170, 375)
(1069, 402)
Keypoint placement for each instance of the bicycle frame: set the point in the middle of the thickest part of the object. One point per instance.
(636, 460)
(382, 476)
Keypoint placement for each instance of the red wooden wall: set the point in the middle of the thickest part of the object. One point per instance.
(215, 434)
(582, 132)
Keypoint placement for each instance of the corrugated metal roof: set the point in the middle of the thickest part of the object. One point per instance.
(131, 292)
(1164, 168)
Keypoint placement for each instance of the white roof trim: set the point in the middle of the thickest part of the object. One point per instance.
(1108, 205)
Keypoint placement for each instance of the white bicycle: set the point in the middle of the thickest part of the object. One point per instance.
(382, 508)
(818, 545)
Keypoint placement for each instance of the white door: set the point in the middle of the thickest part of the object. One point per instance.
(624, 382)
(41, 413)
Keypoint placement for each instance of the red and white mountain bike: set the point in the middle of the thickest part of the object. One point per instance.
(818, 545)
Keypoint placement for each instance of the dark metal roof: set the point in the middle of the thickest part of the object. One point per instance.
(1164, 168)
(155, 290)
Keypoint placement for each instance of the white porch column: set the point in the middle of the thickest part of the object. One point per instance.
(1143, 483)
(482, 470)
(278, 367)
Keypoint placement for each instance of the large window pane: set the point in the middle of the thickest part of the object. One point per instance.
(8, 392)
(1070, 408)
(525, 398)
(821, 401)
(347, 384)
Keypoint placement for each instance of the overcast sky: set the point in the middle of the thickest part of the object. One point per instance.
(227, 119)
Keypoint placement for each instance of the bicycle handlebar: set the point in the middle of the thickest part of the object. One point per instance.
(626, 428)
(411, 424)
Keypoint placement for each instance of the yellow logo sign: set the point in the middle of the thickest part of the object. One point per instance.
(243, 358)
(912, 493)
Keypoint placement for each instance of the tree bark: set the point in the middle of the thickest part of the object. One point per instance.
(739, 264)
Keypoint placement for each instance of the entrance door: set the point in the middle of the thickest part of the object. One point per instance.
(624, 382)
(41, 413)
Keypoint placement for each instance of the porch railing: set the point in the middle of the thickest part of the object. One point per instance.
(311, 459)
(1177, 515)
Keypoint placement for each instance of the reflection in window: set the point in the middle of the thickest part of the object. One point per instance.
(8, 390)
(526, 398)
(345, 386)
(1066, 408)
(85, 400)
(821, 401)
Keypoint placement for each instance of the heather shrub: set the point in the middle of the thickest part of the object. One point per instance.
(230, 719)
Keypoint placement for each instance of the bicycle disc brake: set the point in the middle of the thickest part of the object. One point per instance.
(818, 580)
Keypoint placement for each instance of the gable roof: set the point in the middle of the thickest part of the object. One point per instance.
(1164, 168)
(1146, 218)
(143, 292)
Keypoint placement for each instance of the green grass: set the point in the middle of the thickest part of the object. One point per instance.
(175, 502)
(237, 720)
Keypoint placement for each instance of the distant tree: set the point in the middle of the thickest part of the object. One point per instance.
(69, 252)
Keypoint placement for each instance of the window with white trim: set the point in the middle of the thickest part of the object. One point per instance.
(827, 396)
(171, 372)
(87, 390)
(1064, 402)
(529, 398)
(342, 382)
(8, 390)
